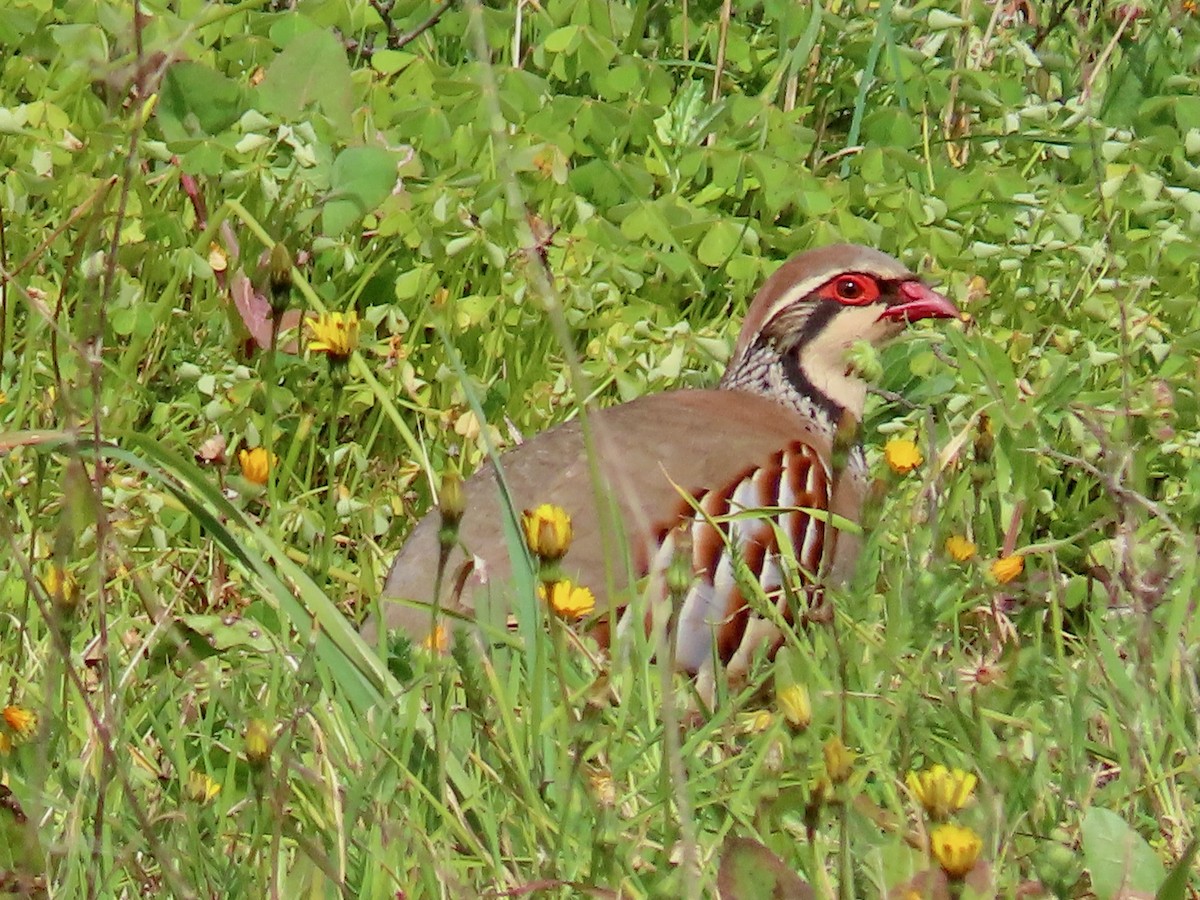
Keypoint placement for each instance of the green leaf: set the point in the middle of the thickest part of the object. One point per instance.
(311, 71)
(195, 100)
(1118, 858)
(719, 243)
(749, 871)
(563, 40)
(362, 178)
(225, 632)
(1187, 112)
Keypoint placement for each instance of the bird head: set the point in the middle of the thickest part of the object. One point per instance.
(806, 317)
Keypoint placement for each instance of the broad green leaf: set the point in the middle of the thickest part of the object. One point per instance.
(362, 178)
(749, 871)
(719, 243)
(563, 40)
(1118, 858)
(311, 71)
(196, 100)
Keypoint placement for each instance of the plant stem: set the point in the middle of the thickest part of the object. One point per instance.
(331, 475)
(270, 521)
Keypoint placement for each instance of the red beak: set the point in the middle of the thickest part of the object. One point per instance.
(920, 302)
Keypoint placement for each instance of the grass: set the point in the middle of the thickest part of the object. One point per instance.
(589, 224)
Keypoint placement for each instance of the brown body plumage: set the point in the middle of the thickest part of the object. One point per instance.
(763, 439)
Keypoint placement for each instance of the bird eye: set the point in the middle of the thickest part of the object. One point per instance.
(855, 289)
(849, 289)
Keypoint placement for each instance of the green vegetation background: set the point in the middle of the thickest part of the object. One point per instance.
(529, 204)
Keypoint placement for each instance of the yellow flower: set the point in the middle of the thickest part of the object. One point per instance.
(1006, 568)
(941, 791)
(600, 784)
(22, 721)
(256, 465)
(258, 742)
(60, 585)
(200, 788)
(757, 722)
(570, 601)
(6, 744)
(218, 259)
(839, 760)
(547, 531)
(451, 502)
(902, 455)
(437, 640)
(793, 701)
(335, 335)
(956, 849)
(960, 548)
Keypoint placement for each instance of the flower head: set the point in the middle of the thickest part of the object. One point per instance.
(956, 849)
(451, 502)
(201, 788)
(600, 784)
(757, 722)
(60, 586)
(839, 760)
(567, 600)
(20, 720)
(335, 335)
(212, 451)
(257, 742)
(960, 548)
(1006, 568)
(547, 531)
(438, 640)
(256, 464)
(902, 455)
(793, 701)
(941, 791)
(981, 673)
(280, 276)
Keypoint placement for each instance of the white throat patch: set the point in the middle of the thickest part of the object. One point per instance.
(824, 360)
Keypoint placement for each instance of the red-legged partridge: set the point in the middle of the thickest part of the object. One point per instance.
(764, 438)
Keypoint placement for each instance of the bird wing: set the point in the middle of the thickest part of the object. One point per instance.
(724, 450)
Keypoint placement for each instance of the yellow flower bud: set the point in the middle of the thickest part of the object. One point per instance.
(280, 277)
(547, 531)
(680, 574)
(257, 742)
(256, 464)
(839, 760)
(757, 722)
(793, 701)
(451, 502)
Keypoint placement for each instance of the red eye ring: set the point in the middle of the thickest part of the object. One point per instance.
(852, 289)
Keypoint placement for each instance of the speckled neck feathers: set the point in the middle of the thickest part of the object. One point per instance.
(789, 373)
